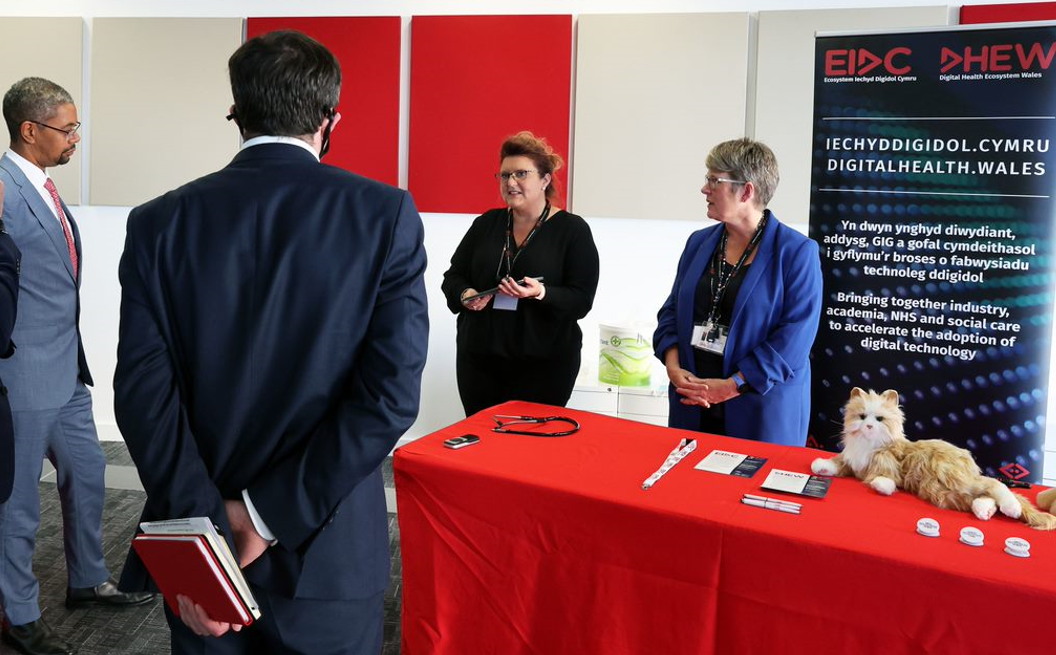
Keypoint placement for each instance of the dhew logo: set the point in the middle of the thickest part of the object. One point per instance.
(859, 61)
(999, 58)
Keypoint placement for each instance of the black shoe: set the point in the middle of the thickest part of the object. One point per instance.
(36, 638)
(106, 594)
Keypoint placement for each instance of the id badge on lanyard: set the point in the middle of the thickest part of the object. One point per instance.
(710, 337)
(503, 302)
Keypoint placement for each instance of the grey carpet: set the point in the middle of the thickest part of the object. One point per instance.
(140, 630)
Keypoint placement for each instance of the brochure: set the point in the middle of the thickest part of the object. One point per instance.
(801, 484)
(727, 463)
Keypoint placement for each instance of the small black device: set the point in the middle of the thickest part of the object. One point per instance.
(492, 291)
(461, 442)
(1013, 484)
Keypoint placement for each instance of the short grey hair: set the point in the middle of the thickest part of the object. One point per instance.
(748, 160)
(32, 99)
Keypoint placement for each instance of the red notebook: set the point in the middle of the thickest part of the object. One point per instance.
(185, 564)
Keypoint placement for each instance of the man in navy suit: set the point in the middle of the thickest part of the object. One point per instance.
(48, 376)
(9, 264)
(273, 334)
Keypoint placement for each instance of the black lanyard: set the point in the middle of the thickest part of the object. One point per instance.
(721, 280)
(505, 256)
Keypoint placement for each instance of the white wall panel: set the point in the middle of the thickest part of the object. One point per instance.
(22, 55)
(653, 94)
(160, 93)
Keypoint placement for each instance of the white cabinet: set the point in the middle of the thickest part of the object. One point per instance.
(597, 399)
(647, 405)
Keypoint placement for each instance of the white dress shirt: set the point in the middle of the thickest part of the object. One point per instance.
(37, 178)
(290, 140)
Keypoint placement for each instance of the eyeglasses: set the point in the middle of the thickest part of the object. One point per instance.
(69, 132)
(711, 181)
(517, 175)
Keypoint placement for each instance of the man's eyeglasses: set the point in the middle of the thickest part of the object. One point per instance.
(517, 175)
(70, 132)
(711, 181)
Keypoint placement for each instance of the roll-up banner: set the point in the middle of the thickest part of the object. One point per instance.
(932, 198)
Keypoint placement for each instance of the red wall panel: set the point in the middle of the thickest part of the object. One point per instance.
(1014, 13)
(366, 140)
(474, 81)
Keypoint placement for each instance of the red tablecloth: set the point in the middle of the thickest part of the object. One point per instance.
(548, 546)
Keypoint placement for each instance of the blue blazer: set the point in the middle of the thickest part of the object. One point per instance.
(273, 333)
(775, 320)
(50, 359)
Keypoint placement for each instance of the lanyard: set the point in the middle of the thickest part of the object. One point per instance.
(505, 256)
(721, 280)
(683, 448)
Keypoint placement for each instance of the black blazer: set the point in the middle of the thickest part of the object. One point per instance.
(10, 262)
(273, 334)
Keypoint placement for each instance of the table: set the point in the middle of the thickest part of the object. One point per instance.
(548, 546)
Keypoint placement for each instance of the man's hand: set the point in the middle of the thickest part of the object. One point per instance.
(248, 542)
(250, 545)
(194, 617)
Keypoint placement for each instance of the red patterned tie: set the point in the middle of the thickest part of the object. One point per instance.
(50, 186)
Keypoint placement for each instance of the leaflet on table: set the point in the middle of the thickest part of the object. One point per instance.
(727, 463)
(797, 483)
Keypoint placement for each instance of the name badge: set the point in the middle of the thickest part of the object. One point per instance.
(504, 302)
(710, 337)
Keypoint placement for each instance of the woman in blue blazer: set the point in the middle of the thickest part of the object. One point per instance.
(735, 333)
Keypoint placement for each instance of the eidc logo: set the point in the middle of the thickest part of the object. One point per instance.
(863, 65)
(859, 61)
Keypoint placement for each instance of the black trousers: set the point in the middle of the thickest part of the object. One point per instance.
(486, 380)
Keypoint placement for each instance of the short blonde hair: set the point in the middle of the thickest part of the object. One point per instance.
(750, 161)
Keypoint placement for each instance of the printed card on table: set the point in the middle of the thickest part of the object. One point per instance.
(800, 484)
(727, 463)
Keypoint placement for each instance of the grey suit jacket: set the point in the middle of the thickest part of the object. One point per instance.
(50, 358)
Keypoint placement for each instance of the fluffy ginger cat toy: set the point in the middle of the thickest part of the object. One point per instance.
(876, 451)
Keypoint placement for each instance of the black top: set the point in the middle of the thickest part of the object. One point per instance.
(710, 365)
(562, 250)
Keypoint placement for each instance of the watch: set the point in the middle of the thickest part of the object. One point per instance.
(742, 384)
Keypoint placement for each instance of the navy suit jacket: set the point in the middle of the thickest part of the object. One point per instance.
(775, 320)
(273, 334)
(9, 267)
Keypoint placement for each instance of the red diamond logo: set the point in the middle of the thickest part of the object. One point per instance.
(1014, 471)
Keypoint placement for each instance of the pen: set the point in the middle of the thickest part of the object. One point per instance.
(787, 503)
(529, 277)
(770, 505)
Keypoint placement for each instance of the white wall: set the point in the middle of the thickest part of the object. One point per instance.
(637, 266)
(638, 257)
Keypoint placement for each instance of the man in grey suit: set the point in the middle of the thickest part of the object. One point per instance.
(47, 376)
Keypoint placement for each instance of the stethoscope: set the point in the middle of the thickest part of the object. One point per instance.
(501, 426)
